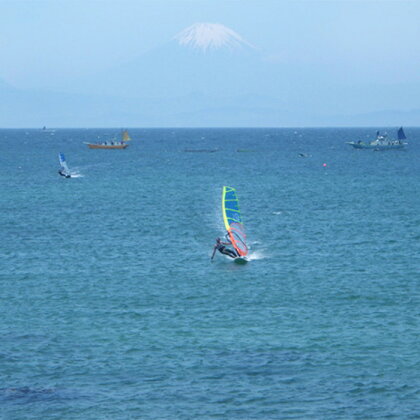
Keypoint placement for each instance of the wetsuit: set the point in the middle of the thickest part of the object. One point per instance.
(63, 174)
(223, 250)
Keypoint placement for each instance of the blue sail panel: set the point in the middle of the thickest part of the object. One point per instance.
(233, 216)
(63, 163)
(232, 205)
(401, 134)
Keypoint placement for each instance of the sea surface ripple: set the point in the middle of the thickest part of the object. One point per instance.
(111, 308)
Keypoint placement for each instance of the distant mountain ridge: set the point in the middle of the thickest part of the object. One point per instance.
(207, 75)
(24, 109)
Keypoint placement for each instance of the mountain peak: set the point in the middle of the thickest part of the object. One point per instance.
(208, 36)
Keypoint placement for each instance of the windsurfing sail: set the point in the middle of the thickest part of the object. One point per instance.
(401, 134)
(125, 136)
(63, 164)
(233, 221)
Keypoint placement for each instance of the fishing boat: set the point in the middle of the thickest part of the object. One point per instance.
(233, 224)
(382, 142)
(200, 150)
(48, 130)
(64, 169)
(112, 144)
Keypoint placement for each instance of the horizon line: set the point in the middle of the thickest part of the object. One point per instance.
(205, 127)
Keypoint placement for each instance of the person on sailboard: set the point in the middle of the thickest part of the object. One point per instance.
(221, 247)
(62, 173)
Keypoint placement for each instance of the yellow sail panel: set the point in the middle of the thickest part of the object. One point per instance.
(225, 219)
(125, 136)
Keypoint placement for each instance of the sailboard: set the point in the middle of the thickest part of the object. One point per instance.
(233, 222)
(64, 170)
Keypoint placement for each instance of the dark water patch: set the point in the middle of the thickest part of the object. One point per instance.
(28, 395)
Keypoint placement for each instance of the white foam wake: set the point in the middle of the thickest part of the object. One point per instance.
(256, 255)
(76, 174)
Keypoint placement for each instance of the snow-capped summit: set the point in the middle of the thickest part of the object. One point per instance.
(208, 36)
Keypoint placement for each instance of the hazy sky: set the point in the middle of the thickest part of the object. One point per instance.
(330, 61)
(47, 43)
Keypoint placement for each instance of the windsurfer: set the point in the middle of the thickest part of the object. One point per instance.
(221, 247)
(62, 173)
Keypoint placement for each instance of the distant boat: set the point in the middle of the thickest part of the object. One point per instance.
(200, 150)
(382, 142)
(47, 130)
(112, 144)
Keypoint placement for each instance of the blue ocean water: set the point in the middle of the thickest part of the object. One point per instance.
(111, 308)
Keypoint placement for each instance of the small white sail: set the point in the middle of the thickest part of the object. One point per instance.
(65, 169)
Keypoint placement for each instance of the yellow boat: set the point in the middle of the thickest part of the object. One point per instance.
(113, 144)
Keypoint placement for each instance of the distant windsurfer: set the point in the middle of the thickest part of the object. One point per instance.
(62, 173)
(221, 247)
